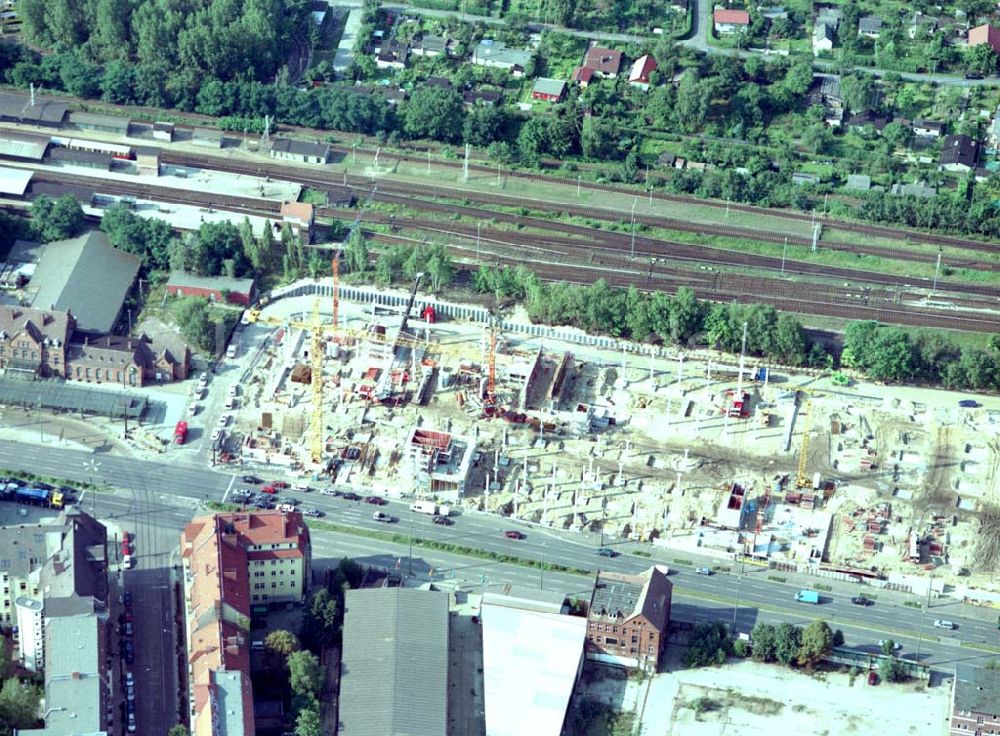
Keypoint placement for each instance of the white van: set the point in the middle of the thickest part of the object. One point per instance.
(301, 487)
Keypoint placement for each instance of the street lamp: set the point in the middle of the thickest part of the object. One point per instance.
(92, 467)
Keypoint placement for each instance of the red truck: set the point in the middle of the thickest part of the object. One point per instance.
(180, 432)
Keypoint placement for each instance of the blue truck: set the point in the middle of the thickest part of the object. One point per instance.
(36, 496)
(807, 596)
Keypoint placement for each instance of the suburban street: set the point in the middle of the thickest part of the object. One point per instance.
(156, 499)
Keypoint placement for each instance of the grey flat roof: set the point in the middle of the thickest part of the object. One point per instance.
(88, 276)
(190, 280)
(95, 120)
(395, 664)
(23, 145)
(977, 689)
(302, 148)
(19, 107)
(14, 181)
(73, 156)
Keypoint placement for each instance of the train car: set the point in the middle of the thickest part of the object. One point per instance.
(115, 150)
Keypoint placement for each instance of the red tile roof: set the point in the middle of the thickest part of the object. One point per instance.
(733, 17)
(583, 74)
(642, 68)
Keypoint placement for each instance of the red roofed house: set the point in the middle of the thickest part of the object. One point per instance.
(231, 563)
(582, 75)
(604, 62)
(730, 21)
(641, 69)
(985, 34)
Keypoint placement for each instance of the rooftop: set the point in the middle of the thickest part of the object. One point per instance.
(97, 120)
(14, 181)
(605, 61)
(496, 52)
(184, 279)
(301, 148)
(86, 275)
(546, 86)
(977, 689)
(19, 107)
(395, 663)
(23, 145)
(530, 663)
(618, 595)
(733, 17)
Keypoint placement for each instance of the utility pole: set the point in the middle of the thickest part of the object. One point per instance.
(937, 270)
(633, 225)
(784, 250)
(479, 226)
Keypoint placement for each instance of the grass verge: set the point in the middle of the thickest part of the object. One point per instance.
(457, 549)
(52, 480)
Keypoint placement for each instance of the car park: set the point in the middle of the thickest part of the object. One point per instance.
(376, 500)
(896, 646)
(192, 409)
(943, 623)
(860, 600)
(216, 435)
(270, 490)
(703, 571)
(513, 534)
(252, 480)
(224, 420)
(442, 520)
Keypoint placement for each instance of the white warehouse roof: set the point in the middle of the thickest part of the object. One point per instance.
(531, 660)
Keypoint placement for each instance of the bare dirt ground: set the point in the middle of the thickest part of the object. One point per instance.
(746, 697)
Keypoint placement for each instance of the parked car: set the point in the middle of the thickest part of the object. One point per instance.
(351, 496)
(606, 552)
(127, 597)
(376, 500)
(129, 653)
(943, 623)
(252, 480)
(442, 520)
(280, 484)
(224, 420)
(129, 680)
(514, 534)
(216, 435)
(860, 600)
(270, 490)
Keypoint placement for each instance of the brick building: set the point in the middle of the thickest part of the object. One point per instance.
(628, 617)
(985, 34)
(975, 701)
(231, 563)
(214, 288)
(35, 340)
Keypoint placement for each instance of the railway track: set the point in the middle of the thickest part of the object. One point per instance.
(650, 269)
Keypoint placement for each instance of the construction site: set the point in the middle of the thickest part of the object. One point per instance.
(692, 451)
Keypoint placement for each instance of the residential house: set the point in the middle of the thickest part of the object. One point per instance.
(300, 216)
(582, 76)
(628, 617)
(727, 22)
(309, 152)
(927, 128)
(985, 34)
(822, 38)
(829, 14)
(922, 24)
(679, 6)
(442, 82)
(392, 55)
(429, 46)
(858, 182)
(125, 360)
(801, 178)
(975, 701)
(496, 54)
(958, 153)
(917, 189)
(393, 95)
(604, 62)
(549, 90)
(482, 96)
(232, 563)
(214, 288)
(643, 67)
(870, 26)
(876, 120)
(34, 341)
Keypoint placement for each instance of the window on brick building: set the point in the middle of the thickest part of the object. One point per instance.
(611, 640)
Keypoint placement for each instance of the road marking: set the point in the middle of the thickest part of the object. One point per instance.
(228, 489)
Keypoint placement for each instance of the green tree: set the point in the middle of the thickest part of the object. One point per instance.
(891, 669)
(148, 238)
(764, 643)
(981, 59)
(434, 112)
(817, 137)
(789, 342)
(484, 125)
(887, 646)
(305, 674)
(178, 730)
(787, 643)
(708, 644)
(858, 91)
(687, 315)
(439, 267)
(19, 704)
(195, 324)
(532, 140)
(817, 642)
(356, 252)
(308, 722)
(282, 642)
(57, 219)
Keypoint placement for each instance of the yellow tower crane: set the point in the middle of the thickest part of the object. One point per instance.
(802, 479)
